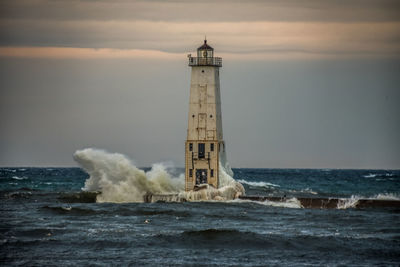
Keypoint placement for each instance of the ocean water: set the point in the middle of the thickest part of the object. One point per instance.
(46, 219)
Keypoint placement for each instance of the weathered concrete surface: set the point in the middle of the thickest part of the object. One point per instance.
(204, 141)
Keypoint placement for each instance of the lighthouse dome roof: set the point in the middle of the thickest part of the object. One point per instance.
(205, 46)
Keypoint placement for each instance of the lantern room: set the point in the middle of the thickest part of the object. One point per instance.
(205, 51)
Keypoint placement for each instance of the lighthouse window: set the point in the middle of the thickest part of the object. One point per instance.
(190, 172)
(212, 147)
(190, 146)
(202, 150)
(212, 173)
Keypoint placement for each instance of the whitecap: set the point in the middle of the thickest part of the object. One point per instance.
(387, 196)
(258, 184)
(309, 190)
(19, 178)
(293, 203)
(306, 190)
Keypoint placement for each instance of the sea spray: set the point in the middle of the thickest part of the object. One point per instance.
(346, 203)
(119, 180)
(387, 196)
(228, 189)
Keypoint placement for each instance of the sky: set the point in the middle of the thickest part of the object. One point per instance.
(304, 84)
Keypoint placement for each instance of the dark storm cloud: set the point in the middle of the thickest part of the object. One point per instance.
(251, 40)
(209, 11)
(263, 27)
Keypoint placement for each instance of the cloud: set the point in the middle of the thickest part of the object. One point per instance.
(251, 40)
(204, 11)
(238, 29)
(82, 53)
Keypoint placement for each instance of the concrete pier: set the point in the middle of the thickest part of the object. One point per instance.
(308, 203)
(330, 203)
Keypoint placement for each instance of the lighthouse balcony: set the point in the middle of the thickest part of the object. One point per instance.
(205, 61)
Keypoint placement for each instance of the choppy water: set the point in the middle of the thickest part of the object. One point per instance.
(41, 226)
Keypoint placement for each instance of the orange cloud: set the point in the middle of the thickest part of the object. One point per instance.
(82, 53)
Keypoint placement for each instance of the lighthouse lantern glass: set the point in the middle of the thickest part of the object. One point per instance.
(205, 53)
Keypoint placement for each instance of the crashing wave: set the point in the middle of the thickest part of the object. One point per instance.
(346, 203)
(119, 180)
(387, 196)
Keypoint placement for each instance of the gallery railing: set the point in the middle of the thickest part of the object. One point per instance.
(205, 61)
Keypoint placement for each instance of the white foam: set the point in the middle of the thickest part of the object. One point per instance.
(258, 184)
(19, 178)
(380, 196)
(387, 196)
(306, 190)
(309, 191)
(346, 203)
(293, 203)
(118, 180)
(373, 175)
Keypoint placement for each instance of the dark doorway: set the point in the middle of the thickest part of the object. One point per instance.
(202, 150)
(201, 176)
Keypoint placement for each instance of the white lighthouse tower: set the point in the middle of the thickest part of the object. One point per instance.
(204, 143)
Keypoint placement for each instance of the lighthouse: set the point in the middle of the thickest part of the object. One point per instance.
(204, 143)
